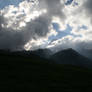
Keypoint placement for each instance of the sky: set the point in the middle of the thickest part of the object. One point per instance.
(4, 3)
(54, 24)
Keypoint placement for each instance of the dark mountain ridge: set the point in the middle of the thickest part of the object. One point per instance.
(46, 53)
(70, 56)
(26, 72)
(67, 56)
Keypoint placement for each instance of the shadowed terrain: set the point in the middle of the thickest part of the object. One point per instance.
(70, 56)
(27, 72)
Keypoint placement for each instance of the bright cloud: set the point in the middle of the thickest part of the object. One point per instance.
(77, 16)
(30, 22)
(29, 25)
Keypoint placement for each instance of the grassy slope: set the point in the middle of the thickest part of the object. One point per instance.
(34, 74)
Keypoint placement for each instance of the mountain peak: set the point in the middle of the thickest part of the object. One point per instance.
(67, 52)
(70, 56)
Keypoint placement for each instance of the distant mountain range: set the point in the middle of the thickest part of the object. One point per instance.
(67, 56)
(64, 71)
(45, 53)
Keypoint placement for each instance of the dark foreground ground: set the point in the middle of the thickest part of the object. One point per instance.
(34, 74)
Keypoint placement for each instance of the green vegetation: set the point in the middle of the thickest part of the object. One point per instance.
(35, 74)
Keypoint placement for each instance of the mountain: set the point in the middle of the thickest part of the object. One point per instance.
(27, 72)
(67, 56)
(86, 53)
(70, 56)
(42, 52)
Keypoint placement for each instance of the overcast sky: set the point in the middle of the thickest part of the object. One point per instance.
(33, 24)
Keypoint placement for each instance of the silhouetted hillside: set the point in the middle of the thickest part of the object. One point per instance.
(69, 56)
(42, 53)
(26, 72)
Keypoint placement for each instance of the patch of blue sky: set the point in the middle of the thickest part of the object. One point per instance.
(75, 4)
(83, 27)
(4, 3)
(61, 33)
(79, 28)
(55, 26)
(68, 2)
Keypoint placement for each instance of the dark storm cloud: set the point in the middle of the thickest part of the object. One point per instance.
(35, 29)
(11, 39)
(87, 6)
(1, 21)
(54, 7)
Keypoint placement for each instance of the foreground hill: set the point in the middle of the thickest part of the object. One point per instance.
(31, 73)
(70, 56)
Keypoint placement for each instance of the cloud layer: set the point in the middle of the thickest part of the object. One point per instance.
(29, 25)
(27, 22)
(79, 18)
